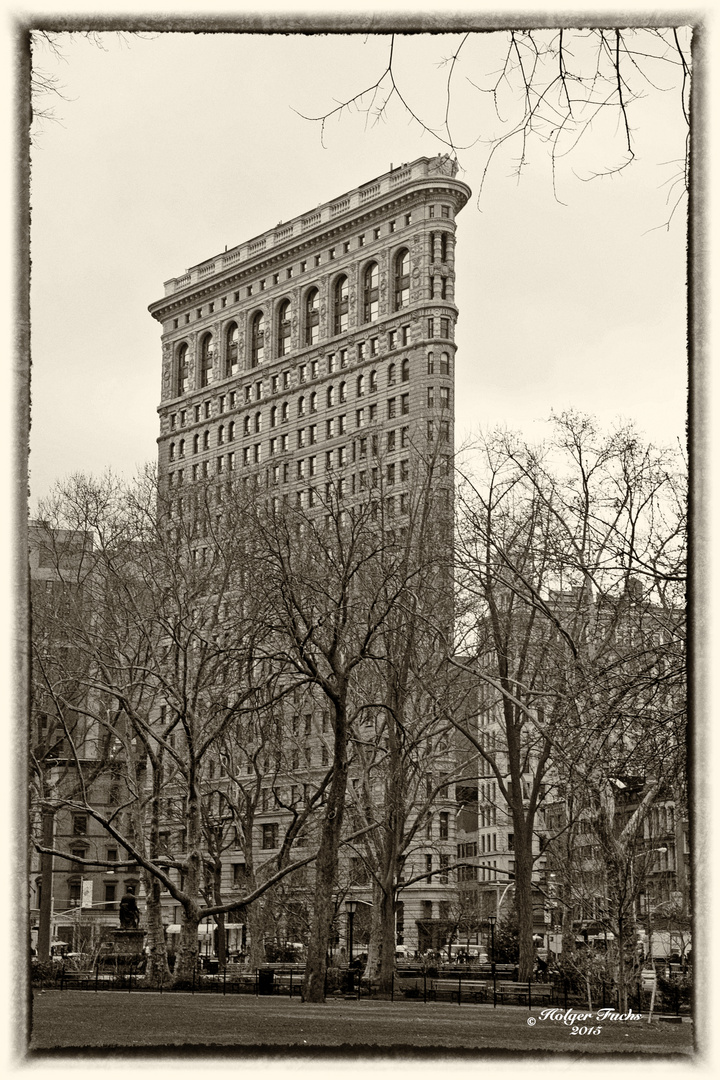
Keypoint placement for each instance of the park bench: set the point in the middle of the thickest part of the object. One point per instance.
(525, 991)
(462, 989)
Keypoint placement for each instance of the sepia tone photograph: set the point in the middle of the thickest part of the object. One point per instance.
(355, 514)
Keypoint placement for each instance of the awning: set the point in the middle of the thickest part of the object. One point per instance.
(204, 928)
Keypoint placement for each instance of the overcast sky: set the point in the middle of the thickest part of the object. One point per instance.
(171, 147)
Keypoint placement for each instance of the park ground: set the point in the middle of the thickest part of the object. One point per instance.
(68, 1021)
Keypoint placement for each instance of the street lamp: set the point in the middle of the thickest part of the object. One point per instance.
(351, 908)
(492, 919)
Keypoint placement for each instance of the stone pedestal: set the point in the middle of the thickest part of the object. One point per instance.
(124, 947)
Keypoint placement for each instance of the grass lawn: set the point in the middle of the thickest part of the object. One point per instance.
(74, 1020)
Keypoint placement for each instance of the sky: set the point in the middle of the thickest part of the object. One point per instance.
(171, 146)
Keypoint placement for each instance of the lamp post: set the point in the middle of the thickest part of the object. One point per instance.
(492, 919)
(351, 908)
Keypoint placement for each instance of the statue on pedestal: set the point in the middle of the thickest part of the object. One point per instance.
(129, 913)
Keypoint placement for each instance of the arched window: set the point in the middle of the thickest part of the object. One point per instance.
(257, 339)
(207, 355)
(444, 363)
(172, 451)
(342, 394)
(405, 376)
(312, 317)
(232, 339)
(273, 416)
(196, 444)
(283, 334)
(221, 434)
(231, 431)
(206, 440)
(330, 396)
(258, 422)
(181, 449)
(313, 402)
(402, 279)
(370, 292)
(391, 374)
(301, 406)
(183, 373)
(285, 412)
(361, 386)
(373, 381)
(340, 306)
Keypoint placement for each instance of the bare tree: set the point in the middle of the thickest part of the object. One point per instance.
(546, 88)
(548, 548)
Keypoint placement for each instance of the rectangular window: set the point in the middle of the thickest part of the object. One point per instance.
(391, 474)
(359, 418)
(313, 369)
(257, 452)
(312, 434)
(390, 441)
(408, 219)
(342, 456)
(273, 446)
(341, 424)
(373, 346)
(431, 397)
(220, 463)
(270, 836)
(301, 469)
(302, 373)
(445, 431)
(110, 893)
(361, 240)
(372, 414)
(404, 404)
(391, 339)
(431, 328)
(444, 825)
(79, 824)
(444, 397)
(331, 363)
(445, 328)
(330, 428)
(343, 358)
(444, 864)
(274, 384)
(391, 408)
(428, 866)
(301, 437)
(445, 211)
(311, 465)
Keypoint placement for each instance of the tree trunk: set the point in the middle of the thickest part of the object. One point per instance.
(523, 895)
(157, 972)
(326, 866)
(380, 965)
(186, 957)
